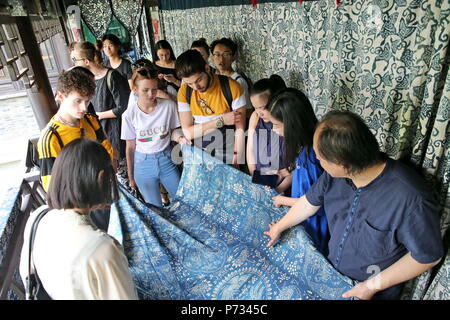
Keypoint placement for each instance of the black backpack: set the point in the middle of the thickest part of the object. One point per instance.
(224, 85)
(247, 80)
(33, 154)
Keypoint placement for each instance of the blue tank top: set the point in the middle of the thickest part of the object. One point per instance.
(307, 171)
(269, 151)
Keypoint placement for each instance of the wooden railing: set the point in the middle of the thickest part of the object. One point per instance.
(31, 197)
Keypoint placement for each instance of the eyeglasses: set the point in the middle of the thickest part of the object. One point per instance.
(148, 73)
(225, 55)
(75, 59)
(204, 106)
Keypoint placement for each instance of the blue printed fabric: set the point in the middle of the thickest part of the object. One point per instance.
(210, 244)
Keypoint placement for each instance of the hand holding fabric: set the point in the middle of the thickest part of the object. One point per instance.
(360, 291)
(273, 233)
(277, 201)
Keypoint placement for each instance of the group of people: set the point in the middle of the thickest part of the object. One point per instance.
(361, 208)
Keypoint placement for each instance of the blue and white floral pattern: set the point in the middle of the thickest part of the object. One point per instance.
(386, 60)
(210, 243)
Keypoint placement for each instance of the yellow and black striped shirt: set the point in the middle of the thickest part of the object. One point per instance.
(56, 135)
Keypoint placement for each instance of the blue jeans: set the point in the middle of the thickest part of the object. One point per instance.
(150, 170)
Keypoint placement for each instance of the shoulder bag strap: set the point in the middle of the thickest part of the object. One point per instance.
(109, 80)
(225, 86)
(31, 242)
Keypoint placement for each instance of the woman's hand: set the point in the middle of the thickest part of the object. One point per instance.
(170, 78)
(162, 94)
(133, 184)
(183, 140)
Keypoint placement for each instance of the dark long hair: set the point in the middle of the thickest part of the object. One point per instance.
(75, 177)
(293, 109)
(345, 139)
(164, 44)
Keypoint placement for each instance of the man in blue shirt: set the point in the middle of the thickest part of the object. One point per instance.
(382, 219)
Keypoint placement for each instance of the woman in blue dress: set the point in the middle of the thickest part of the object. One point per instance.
(293, 118)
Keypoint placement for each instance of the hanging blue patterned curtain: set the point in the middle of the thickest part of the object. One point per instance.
(97, 15)
(387, 61)
(128, 12)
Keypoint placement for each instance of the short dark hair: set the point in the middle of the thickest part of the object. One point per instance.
(273, 84)
(189, 63)
(164, 44)
(200, 43)
(226, 42)
(75, 177)
(113, 38)
(77, 79)
(292, 107)
(345, 139)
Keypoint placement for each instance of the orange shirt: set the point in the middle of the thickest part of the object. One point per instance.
(212, 98)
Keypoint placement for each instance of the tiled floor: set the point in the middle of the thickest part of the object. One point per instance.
(17, 125)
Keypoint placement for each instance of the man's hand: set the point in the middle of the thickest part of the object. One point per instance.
(278, 201)
(228, 118)
(232, 117)
(273, 233)
(360, 291)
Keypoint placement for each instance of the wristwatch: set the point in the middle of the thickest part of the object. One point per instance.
(219, 123)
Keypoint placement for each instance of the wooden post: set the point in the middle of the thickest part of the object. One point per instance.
(40, 94)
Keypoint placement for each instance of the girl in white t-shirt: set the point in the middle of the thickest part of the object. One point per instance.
(148, 126)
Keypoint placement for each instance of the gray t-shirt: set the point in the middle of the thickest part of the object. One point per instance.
(124, 68)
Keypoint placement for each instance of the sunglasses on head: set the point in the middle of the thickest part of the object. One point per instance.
(137, 65)
(153, 74)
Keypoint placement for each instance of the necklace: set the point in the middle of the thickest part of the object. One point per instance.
(67, 123)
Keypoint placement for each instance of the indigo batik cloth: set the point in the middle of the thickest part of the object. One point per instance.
(209, 244)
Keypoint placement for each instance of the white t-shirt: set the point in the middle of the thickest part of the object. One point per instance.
(151, 131)
(236, 76)
(76, 261)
